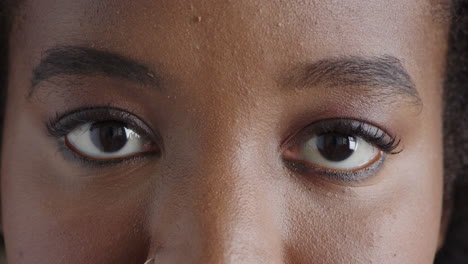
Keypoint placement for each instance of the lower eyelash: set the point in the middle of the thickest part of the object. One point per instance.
(345, 177)
(373, 135)
(70, 155)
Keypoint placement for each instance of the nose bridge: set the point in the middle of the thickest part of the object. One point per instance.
(226, 208)
(234, 218)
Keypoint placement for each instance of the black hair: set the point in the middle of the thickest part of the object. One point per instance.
(455, 249)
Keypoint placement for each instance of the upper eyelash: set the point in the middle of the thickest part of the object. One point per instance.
(374, 135)
(59, 126)
(62, 124)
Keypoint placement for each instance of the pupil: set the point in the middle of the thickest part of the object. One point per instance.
(109, 136)
(336, 147)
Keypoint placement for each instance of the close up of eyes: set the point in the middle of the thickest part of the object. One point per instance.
(104, 134)
(343, 149)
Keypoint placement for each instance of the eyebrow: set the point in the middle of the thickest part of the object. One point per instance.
(84, 61)
(384, 76)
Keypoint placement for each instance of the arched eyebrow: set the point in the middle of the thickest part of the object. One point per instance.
(84, 61)
(385, 76)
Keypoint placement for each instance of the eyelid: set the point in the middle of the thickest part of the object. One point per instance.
(150, 147)
(62, 124)
(291, 156)
(387, 142)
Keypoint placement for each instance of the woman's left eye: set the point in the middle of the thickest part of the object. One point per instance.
(335, 151)
(107, 140)
(345, 150)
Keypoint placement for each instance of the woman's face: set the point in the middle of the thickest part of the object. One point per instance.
(247, 131)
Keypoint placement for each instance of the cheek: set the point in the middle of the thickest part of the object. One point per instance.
(397, 220)
(51, 213)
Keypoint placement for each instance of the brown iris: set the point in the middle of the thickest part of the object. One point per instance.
(109, 136)
(336, 147)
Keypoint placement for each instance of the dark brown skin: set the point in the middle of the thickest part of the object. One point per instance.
(221, 192)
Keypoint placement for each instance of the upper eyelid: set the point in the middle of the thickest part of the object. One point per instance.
(53, 130)
(107, 113)
(63, 123)
(347, 123)
(343, 125)
(340, 177)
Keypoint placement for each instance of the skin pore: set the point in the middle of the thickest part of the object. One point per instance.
(226, 93)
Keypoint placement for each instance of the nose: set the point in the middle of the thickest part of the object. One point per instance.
(223, 211)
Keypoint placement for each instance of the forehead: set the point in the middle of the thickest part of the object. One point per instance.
(145, 26)
(255, 39)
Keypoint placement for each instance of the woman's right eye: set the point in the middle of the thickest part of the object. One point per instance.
(107, 140)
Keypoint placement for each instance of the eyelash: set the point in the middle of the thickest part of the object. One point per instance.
(372, 134)
(389, 145)
(63, 123)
